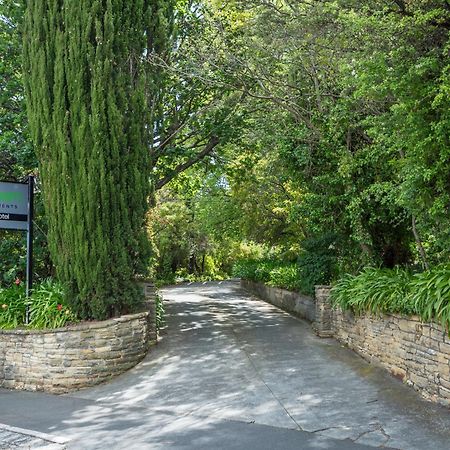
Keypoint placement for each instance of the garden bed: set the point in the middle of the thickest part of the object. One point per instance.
(76, 356)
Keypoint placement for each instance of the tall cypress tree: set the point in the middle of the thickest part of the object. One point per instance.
(88, 84)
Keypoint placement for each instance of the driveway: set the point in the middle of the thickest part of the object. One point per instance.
(232, 372)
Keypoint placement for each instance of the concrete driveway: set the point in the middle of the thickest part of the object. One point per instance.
(231, 372)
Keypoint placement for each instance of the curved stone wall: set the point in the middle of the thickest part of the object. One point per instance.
(76, 356)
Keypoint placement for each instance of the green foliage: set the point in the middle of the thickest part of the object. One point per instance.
(430, 294)
(47, 304)
(375, 290)
(17, 158)
(90, 94)
(272, 272)
(245, 269)
(263, 270)
(49, 307)
(16, 152)
(348, 128)
(12, 307)
(13, 257)
(193, 228)
(286, 277)
(397, 291)
(13, 251)
(317, 263)
(306, 116)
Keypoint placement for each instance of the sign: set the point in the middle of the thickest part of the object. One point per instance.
(14, 206)
(16, 213)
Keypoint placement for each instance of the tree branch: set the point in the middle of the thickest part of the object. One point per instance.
(209, 147)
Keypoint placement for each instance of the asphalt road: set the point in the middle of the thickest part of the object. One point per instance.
(231, 372)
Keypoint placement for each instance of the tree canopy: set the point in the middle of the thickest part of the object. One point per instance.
(272, 128)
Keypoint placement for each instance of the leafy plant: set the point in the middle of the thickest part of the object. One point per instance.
(430, 294)
(275, 273)
(245, 269)
(375, 290)
(12, 307)
(256, 270)
(48, 306)
(160, 312)
(426, 294)
(286, 277)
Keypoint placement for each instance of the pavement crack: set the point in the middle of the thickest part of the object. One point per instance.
(386, 435)
(325, 429)
(248, 356)
(376, 428)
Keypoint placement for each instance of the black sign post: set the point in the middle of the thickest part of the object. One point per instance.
(29, 244)
(16, 213)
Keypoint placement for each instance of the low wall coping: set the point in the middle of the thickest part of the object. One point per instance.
(82, 326)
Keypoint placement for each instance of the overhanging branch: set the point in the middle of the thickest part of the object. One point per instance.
(209, 147)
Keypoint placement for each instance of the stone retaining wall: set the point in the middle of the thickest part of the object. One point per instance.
(417, 353)
(292, 302)
(76, 356)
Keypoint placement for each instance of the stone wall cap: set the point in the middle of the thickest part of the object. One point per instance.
(82, 326)
(322, 286)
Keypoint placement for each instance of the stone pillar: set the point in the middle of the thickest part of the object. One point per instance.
(323, 325)
(150, 293)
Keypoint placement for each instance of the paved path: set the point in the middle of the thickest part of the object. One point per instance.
(19, 438)
(233, 372)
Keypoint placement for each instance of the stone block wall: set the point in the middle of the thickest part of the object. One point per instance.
(417, 353)
(292, 302)
(150, 292)
(76, 356)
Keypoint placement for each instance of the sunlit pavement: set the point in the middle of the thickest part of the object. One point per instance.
(233, 372)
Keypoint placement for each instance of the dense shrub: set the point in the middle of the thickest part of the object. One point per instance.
(245, 269)
(160, 312)
(274, 273)
(430, 294)
(286, 277)
(375, 290)
(48, 306)
(426, 294)
(397, 290)
(316, 264)
(13, 254)
(12, 307)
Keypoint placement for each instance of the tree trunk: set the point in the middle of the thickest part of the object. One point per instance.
(419, 244)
